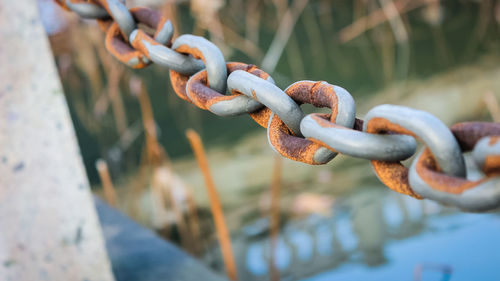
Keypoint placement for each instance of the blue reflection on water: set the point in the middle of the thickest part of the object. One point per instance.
(465, 242)
(376, 235)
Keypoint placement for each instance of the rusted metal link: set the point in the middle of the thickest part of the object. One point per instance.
(200, 48)
(355, 142)
(419, 124)
(481, 195)
(178, 82)
(121, 16)
(269, 95)
(223, 105)
(318, 94)
(161, 54)
(126, 53)
(469, 133)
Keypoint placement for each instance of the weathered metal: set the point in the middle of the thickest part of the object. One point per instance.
(486, 153)
(429, 181)
(121, 15)
(268, 94)
(318, 94)
(163, 55)
(201, 48)
(356, 143)
(419, 124)
(199, 75)
(206, 98)
(123, 51)
(422, 125)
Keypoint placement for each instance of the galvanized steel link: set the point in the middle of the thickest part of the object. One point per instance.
(472, 196)
(356, 143)
(121, 15)
(486, 154)
(319, 94)
(210, 54)
(120, 49)
(427, 127)
(159, 53)
(224, 105)
(268, 94)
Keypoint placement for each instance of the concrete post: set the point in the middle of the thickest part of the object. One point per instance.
(48, 224)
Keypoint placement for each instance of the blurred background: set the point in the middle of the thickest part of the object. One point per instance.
(336, 220)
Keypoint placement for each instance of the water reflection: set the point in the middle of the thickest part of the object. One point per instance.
(377, 235)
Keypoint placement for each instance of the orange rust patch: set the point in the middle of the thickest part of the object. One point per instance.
(318, 94)
(121, 50)
(203, 96)
(195, 52)
(323, 144)
(427, 170)
(380, 125)
(261, 116)
(493, 140)
(292, 147)
(395, 176)
(491, 165)
(392, 174)
(254, 95)
(117, 45)
(138, 42)
(178, 82)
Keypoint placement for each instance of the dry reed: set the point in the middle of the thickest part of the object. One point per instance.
(215, 205)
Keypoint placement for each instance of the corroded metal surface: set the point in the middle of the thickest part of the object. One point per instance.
(223, 105)
(355, 142)
(201, 48)
(318, 94)
(486, 153)
(419, 124)
(125, 52)
(427, 179)
(268, 94)
(49, 227)
(165, 56)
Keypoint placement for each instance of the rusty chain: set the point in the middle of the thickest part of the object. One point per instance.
(200, 75)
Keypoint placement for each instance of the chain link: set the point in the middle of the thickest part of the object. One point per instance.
(200, 75)
(318, 94)
(224, 105)
(268, 94)
(486, 154)
(429, 181)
